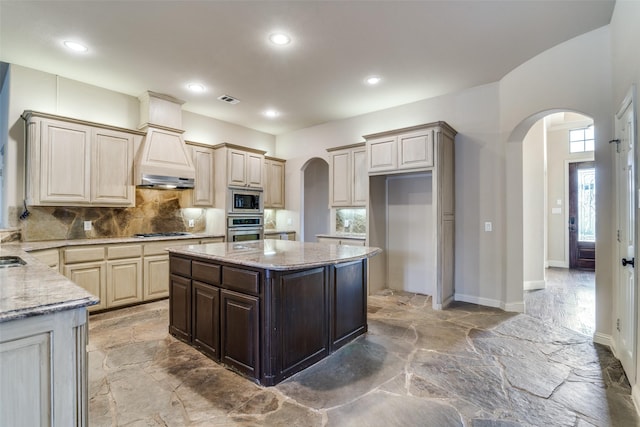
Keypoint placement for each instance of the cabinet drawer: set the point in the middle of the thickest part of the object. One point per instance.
(85, 254)
(160, 248)
(205, 272)
(241, 280)
(124, 251)
(181, 266)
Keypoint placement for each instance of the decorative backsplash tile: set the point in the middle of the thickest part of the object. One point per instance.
(351, 220)
(155, 211)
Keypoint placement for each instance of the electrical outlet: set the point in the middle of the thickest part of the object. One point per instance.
(289, 221)
(87, 226)
(192, 223)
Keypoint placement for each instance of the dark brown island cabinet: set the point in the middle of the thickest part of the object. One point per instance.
(268, 309)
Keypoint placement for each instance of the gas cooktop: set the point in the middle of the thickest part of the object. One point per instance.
(165, 234)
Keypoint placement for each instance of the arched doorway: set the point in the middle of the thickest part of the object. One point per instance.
(315, 199)
(558, 188)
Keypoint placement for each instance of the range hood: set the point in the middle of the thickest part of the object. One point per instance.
(162, 161)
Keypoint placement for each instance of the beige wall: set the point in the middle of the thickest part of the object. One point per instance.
(533, 209)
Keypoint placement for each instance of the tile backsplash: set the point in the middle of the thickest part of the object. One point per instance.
(155, 211)
(351, 220)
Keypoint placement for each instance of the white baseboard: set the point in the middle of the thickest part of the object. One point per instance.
(516, 307)
(488, 302)
(478, 300)
(534, 285)
(635, 396)
(604, 339)
(557, 263)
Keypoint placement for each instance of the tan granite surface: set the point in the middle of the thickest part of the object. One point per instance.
(274, 254)
(34, 289)
(155, 211)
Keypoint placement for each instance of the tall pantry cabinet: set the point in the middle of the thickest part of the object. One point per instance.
(418, 151)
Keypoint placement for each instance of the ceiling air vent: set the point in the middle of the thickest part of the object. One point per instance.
(228, 99)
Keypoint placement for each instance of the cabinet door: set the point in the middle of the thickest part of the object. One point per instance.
(203, 192)
(415, 150)
(239, 338)
(360, 188)
(65, 158)
(92, 277)
(340, 179)
(274, 184)
(26, 387)
(112, 168)
(382, 154)
(156, 277)
(180, 307)
(124, 282)
(254, 165)
(205, 312)
(236, 167)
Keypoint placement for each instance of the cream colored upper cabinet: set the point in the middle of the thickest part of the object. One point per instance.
(76, 163)
(360, 190)
(403, 150)
(382, 154)
(348, 179)
(274, 183)
(111, 168)
(64, 163)
(203, 192)
(415, 150)
(243, 166)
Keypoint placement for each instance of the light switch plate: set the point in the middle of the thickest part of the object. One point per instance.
(192, 223)
(488, 226)
(87, 226)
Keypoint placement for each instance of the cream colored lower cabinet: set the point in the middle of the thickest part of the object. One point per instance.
(91, 276)
(156, 277)
(124, 274)
(124, 282)
(43, 366)
(50, 257)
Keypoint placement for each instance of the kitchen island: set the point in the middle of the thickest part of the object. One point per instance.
(270, 308)
(43, 340)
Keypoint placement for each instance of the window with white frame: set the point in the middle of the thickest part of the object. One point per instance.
(581, 140)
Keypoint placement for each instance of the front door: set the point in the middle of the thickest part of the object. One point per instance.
(582, 216)
(626, 296)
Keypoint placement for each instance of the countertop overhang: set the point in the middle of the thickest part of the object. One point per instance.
(34, 289)
(279, 255)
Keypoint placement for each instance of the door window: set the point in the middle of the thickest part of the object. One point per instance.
(587, 205)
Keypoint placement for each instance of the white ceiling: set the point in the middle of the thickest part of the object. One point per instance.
(421, 49)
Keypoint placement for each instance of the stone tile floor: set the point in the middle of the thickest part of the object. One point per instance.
(465, 366)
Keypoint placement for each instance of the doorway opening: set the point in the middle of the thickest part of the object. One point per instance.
(559, 220)
(315, 203)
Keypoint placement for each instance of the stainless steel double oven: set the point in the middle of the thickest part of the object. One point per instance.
(245, 217)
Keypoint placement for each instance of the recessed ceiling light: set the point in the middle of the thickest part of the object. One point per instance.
(196, 87)
(272, 114)
(75, 46)
(373, 80)
(280, 39)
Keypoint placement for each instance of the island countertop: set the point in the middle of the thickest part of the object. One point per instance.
(34, 289)
(279, 255)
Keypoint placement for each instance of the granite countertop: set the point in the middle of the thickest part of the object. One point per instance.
(34, 289)
(277, 254)
(358, 236)
(52, 244)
